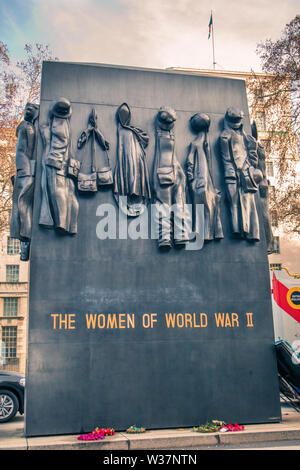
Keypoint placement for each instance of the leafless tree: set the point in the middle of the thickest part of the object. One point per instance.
(19, 84)
(274, 96)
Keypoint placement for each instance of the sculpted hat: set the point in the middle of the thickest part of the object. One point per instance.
(124, 114)
(31, 111)
(200, 122)
(234, 117)
(166, 117)
(32, 105)
(61, 108)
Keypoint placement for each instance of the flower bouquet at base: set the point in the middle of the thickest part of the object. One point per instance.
(232, 428)
(213, 426)
(97, 434)
(135, 429)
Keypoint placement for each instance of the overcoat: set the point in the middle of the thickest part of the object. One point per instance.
(23, 182)
(238, 154)
(59, 205)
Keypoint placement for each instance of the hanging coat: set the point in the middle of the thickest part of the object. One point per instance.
(239, 155)
(202, 189)
(131, 177)
(23, 183)
(59, 205)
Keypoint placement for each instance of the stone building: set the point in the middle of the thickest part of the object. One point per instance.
(13, 305)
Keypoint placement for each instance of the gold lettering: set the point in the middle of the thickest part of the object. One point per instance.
(153, 319)
(227, 320)
(250, 320)
(219, 319)
(130, 321)
(101, 324)
(54, 315)
(235, 319)
(180, 323)
(203, 320)
(72, 321)
(146, 320)
(188, 320)
(90, 319)
(112, 321)
(122, 320)
(170, 319)
(63, 321)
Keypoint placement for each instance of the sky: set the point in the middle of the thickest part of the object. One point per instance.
(147, 33)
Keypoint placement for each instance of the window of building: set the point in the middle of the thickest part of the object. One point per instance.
(9, 211)
(271, 191)
(261, 121)
(277, 266)
(9, 341)
(266, 143)
(274, 218)
(13, 246)
(276, 246)
(12, 273)
(270, 168)
(10, 306)
(260, 96)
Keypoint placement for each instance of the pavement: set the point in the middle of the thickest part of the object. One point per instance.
(288, 430)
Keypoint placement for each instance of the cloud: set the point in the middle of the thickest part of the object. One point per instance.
(158, 33)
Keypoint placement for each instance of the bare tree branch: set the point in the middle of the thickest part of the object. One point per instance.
(18, 85)
(275, 95)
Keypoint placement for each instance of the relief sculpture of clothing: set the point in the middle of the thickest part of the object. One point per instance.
(59, 205)
(95, 171)
(131, 177)
(23, 181)
(264, 192)
(201, 186)
(242, 176)
(169, 185)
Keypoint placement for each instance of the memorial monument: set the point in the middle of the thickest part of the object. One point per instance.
(120, 330)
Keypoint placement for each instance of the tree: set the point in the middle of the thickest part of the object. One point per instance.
(19, 84)
(275, 103)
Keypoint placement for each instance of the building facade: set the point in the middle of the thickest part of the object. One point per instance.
(13, 305)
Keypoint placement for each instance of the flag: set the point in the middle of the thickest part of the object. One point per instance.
(285, 300)
(210, 26)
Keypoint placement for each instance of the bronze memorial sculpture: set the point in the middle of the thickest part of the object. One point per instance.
(97, 173)
(264, 192)
(59, 205)
(23, 181)
(169, 184)
(242, 176)
(199, 175)
(131, 178)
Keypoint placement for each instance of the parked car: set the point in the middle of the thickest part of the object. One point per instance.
(11, 395)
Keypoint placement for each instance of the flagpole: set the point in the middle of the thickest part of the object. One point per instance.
(213, 40)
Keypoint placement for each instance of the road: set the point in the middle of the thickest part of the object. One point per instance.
(14, 428)
(274, 445)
